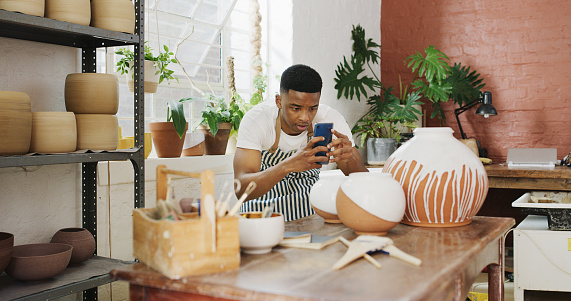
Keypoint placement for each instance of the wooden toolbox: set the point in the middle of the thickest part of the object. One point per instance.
(186, 247)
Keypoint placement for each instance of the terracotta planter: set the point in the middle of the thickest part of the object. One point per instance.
(53, 132)
(72, 11)
(6, 247)
(193, 144)
(92, 93)
(97, 131)
(38, 261)
(370, 203)
(166, 140)
(82, 241)
(444, 182)
(116, 15)
(216, 145)
(151, 79)
(29, 7)
(16, 125)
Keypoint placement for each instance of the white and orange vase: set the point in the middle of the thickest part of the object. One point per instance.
(445, 183)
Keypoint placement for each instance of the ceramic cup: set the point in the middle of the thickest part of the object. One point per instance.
(260, 235)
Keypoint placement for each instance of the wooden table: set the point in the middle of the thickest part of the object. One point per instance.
(500, 176)
(452, 258)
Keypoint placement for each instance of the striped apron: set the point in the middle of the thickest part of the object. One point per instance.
(290, 195)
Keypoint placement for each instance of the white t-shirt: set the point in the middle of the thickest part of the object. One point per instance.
(257, 129)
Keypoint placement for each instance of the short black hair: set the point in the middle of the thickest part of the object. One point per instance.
(300, 78)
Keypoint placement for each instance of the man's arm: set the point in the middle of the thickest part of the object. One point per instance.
(247, 163)
(345, 155)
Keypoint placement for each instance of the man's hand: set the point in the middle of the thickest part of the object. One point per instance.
(342, 148)
(305, 159)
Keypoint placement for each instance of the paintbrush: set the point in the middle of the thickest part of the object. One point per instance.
(236, 206)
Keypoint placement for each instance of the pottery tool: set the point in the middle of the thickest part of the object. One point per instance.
(268, 210)
(210, 212)
(395, 252)
(221, 196)
(236, 206)
(359, 247)
(367, 257)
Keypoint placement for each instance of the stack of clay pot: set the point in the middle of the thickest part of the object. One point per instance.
(16, 125)
(94, 98)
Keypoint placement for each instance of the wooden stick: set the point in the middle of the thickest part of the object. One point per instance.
(397, 253)
(368, 257)
(236, 206)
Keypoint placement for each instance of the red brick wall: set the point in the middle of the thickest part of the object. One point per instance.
(522, 49)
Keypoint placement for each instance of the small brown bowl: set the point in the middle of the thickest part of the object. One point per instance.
(38, 261)
(6, 247)
(82, 241)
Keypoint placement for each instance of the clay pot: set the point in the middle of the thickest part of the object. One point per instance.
(16, 125)
(116, 15)
(38, 261)
(92, 93)
(166, 140)
(193, 144)
(370, 203)
(82, 241)
(72, 11)
(151, 78)
(53, 132)
(323, 197)
(6, 247)
(216, 145)
(97, 131)
(29, 7)
(444, 181)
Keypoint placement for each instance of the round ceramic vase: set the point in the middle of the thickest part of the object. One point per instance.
(370, 203)
(80, 239)
(323, 196)
(72, 11)
(116, 15)
(444, 182)
(16, 123)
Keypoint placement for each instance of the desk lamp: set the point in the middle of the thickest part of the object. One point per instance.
(486, 109)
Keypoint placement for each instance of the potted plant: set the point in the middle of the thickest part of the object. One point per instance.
(157, 67)
(168, 137)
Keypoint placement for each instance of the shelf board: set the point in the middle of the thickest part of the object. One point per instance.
(89, 274)
(37, 159)
(45, 30)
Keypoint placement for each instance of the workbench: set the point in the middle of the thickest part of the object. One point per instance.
(501, 176)
(451, 260)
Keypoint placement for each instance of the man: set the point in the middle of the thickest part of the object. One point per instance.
(275, 146)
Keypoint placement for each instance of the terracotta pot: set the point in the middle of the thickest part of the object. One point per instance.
(72, 11)
(323, 196)
(116, 15)
(82, 241)
(370, 203)
(53, 132)
(16, 125)
(444, 181)
(216, 145)
(193, 144)
(92, 93)
(151, 79)
(97, 131)
(29, 7)
(38, 261)
(166, 140)
(6, 247)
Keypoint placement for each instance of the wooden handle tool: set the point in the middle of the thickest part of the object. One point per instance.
(395, 252)
(236, 206)
(367, 257)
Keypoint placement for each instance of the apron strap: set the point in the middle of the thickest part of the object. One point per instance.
(279, 130)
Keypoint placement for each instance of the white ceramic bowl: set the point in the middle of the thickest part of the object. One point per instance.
(370, 203)
(323, 195)
(260, 235)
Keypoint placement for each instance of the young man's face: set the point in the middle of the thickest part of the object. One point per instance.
(297, 110)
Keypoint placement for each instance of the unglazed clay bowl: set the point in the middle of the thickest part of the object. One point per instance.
(38, 261)
(97, 131)
(323, 196)
(259, 235)
(6, 247)
(92, 93)
(82, 241)
(53, 132)
(370, 203)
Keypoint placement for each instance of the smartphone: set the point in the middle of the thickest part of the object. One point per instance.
(323, 130)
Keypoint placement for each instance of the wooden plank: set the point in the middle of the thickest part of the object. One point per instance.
(500, 176)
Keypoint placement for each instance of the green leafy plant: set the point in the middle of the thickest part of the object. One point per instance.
(161, 62)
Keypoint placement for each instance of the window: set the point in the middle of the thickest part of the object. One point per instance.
(208, 31)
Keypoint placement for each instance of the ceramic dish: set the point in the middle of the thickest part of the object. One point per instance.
(38, 261)
(260, 235)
